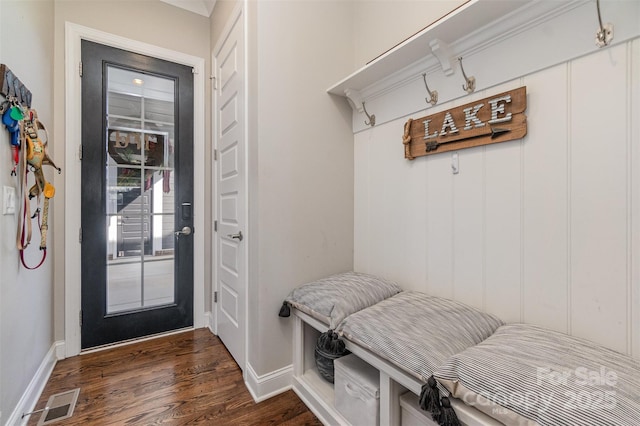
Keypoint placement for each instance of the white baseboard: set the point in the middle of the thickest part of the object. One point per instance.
(209, 321)
(268, 385)
(31, 395)
(61, 350)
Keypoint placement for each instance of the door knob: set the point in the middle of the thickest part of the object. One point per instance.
(184, 231)
(237, 236)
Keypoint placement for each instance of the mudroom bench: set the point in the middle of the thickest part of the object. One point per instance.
(461, 361)
(319, 395)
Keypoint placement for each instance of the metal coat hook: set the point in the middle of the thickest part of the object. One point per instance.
(372, 117)
(470, 85)
(604, 35)
(432, 94)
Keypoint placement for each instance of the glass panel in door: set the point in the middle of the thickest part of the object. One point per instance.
(140, 191)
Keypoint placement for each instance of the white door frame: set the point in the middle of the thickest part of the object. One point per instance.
(239, 12)
(74, 34)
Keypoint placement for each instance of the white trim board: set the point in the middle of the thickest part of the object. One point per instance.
(74, 34)
(32, 394)
(209, 321)
(268, 385)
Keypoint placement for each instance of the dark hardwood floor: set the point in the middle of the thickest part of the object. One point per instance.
(182, 379)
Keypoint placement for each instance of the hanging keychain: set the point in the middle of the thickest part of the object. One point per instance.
(11, 116)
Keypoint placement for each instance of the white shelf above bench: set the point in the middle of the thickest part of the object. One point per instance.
(499, 40)
(452, 27)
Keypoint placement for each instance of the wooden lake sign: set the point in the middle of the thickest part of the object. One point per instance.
(498, 118)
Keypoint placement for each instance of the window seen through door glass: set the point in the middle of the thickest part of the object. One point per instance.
(140, 190)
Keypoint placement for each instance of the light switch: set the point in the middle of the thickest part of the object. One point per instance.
(8, 200)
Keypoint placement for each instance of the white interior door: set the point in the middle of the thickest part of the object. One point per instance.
(231, 192)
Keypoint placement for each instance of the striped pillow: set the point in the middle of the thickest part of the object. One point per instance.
(332, 299)
(417, 332)
(524, 374)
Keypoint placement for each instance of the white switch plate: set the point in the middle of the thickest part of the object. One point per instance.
(8, 200)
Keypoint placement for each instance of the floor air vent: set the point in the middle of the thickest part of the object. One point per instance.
(59, 406)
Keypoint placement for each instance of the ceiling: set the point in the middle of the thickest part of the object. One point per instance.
(201, 7)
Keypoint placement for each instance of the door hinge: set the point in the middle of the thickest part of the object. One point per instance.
(215, 226)
(80, 235)
(214, 83)
(80, 318)
(215, 297)
(80, 68)
(215, 155)
(80, 152)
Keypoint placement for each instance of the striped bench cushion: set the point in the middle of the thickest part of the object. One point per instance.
(417, 332)
(332, 299)
(524, 374)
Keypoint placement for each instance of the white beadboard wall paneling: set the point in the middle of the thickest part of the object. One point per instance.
(362, 201)
(439, 218)
(538, 35)
(468, 229)
(414, 186)
(503, 224)
(545, 200)
(380, 231)
(393, 239)
(599, 197)
(634, 250)
(405, 229)
(544, 230)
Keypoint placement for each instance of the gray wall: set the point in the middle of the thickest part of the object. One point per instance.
(303, 147)
(26, 297)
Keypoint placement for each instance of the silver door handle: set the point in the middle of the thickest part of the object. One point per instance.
(184, 231)
(237, 236)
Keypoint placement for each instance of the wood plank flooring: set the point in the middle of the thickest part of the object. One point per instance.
(182, 379)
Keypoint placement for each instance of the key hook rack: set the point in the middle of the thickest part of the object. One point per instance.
(12, 88)
(433, 94)
(604, 35)
(470, 82)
